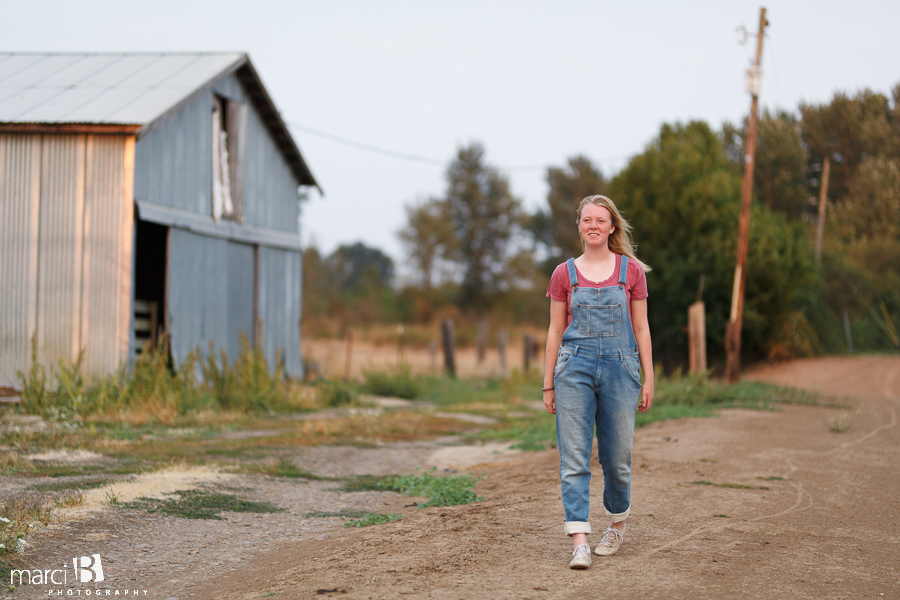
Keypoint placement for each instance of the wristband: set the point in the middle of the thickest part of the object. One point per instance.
(549, 389)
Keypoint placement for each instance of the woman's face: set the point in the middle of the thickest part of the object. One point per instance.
(595, 226)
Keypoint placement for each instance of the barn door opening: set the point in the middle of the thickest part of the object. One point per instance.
(150, 260)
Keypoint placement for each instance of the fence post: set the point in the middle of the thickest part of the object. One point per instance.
(449, 348)
(482, 339)
(349, 354)
(697, 336)
(529, 351)
(502, 338)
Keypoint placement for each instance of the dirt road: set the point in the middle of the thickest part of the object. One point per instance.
(747, 504)
(821, 520)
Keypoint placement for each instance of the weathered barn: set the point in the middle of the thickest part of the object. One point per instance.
(141, 194)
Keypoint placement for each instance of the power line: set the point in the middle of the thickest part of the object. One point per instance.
(367, 147)
(412, 157)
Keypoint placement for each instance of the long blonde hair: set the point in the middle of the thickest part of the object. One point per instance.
(620, 239)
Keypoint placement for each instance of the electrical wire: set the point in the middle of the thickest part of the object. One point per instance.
(412, 157)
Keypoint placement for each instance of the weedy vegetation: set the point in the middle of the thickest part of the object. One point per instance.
(199, 504)
(373, 519)
(440, 490)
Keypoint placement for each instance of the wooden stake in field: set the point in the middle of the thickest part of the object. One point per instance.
(529, 351)
(502, 337)
(449, 347)
(349, 356)
(733, 328)
(482, 339)
(697, 332)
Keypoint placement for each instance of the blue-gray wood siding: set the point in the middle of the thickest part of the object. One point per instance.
(173, 163)
(279, 306)
(211, 298)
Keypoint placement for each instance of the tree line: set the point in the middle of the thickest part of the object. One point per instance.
(476, 252)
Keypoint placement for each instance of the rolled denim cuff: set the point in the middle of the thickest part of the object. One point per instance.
(573, 527)
(619, 517)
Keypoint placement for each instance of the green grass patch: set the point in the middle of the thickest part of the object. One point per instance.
(367, 483)
(676, 397)
(772, 478)
(441, 490)
(199, 504)
(397, 383)
(59, 486)
(373, 519)
(533, 434)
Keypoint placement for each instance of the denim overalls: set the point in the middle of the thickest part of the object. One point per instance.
(597, 380)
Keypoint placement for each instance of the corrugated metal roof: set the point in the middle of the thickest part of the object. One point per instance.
(132, 89)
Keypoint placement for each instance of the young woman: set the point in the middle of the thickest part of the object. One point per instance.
(597, 345)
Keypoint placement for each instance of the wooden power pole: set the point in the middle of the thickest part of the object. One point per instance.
(733, 329)
(823, 199)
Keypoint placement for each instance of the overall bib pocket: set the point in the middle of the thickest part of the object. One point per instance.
(600, 320)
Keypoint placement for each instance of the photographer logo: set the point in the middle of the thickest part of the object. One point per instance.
(88, 568)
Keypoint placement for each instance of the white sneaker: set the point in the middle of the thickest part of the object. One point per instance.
(610, 542)
(581, 557)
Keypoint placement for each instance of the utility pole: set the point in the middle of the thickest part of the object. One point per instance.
(823, 199)
(733, 329)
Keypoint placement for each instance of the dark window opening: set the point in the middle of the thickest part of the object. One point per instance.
(150, 260)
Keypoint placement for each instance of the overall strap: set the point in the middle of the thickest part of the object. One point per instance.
(623, 270)
(573, 278)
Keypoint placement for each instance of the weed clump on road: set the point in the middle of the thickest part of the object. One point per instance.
(373, 519)
(441, 490)
(200, 504)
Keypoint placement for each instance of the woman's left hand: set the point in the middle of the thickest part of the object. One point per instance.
(646, 396)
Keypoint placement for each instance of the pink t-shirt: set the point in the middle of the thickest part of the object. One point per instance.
(635, 283)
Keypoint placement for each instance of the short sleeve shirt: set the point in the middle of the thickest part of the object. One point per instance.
(561, 289)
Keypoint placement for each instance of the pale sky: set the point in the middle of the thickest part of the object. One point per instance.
(534, 81)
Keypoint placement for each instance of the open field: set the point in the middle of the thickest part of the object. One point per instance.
(754, 502)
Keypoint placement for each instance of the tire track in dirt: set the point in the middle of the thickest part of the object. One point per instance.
(887, 394)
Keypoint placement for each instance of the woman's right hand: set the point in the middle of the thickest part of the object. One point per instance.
(550, 401)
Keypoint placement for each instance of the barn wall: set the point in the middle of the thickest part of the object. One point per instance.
(211, 298)
(210, 294)
(65, 234)
(279, 307)
(174, 163)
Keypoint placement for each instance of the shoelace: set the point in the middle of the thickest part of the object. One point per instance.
(582, 551)
(609, 535)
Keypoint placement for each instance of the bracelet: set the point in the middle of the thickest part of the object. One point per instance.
(549, 389)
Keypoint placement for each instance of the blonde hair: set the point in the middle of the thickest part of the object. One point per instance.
(620, 239)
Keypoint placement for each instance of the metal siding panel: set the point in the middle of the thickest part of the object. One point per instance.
(60, 241)
(173, 162)
(102, 250)
(198, 293)
(240, 295)
(20, 171)
(279, 306)
(270, 189)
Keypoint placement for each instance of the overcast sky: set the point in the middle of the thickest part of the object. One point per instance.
(534, 81)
